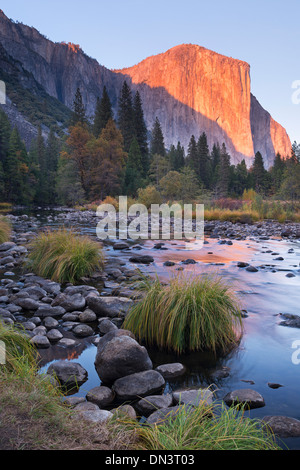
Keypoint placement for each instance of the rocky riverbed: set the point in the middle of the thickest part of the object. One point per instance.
(78, 329)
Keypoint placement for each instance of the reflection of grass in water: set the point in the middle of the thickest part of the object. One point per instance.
(190, 313)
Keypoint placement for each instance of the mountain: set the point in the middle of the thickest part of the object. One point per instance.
(189, 88)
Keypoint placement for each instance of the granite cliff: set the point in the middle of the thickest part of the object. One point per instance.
(189, 88)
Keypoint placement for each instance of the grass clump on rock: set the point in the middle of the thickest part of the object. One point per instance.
(206, 427)
(189, 314)
(64, 256)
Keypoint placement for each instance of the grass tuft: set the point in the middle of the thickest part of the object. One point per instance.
(189, 314)
(64, 256)
(5, 230)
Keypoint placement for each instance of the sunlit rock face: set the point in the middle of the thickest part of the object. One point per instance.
(192, 89)
(189, 88)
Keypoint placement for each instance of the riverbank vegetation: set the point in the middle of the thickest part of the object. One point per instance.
(64, 256)
(35, 416)
(5, 230)
(111, 155)
(188, 314)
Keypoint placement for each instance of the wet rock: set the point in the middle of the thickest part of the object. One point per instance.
(50, 322)
(49, 311)
(169, 263)
(193, 397)
(152, 403)
(242, 264)
(82, 331)
(283, 426)
(246, 396)
(143, 259)
(101, 396)
(290, 275)
(70, 303)
(120, 355)
(189, 261)
(251, 269)
(40, 341)
(164, 414)
(88, 316)
(27, 304)
(105, 326)
(138, 385)
(172, 370)
(274, 385)
(68, 373)
(54, 335)
(121, 246)
(290, 320)
(109, 306)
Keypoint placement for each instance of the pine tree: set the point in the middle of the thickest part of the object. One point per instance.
(126, 116)
(204, 162)
(176, 157)
(103, 113)
(17, 189)
(277, 173)
(134, 169)
(223, 180)
(141, 132)
(157, 140)
(258, 173)
(192, 157)
(78, 114)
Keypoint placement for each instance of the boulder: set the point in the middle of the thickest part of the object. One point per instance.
(193, 397)
(70, 303)
(119, 355)
(138, 385)
(283, 426)
(49, 311)
(142, 259)
(244, 396)
(82, 331)
(150, 404)
(68, 373)
(172, 370)
(109, 306)
(40, 341)
(101, 396)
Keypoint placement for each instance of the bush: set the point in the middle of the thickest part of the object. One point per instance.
(5, 230)
(189, 314)
(148, 196)
(64, 256)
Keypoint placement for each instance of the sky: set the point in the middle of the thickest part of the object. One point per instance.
(121, 33)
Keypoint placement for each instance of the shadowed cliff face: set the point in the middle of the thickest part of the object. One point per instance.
(189, 88)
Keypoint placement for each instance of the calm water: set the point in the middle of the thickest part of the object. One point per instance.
(265, 351)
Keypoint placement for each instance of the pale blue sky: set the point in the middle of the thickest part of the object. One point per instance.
(119, 33)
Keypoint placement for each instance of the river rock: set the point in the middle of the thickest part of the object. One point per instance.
(68, 373)
(101, 396)
(138, 385)
(120, 355)
(28, 304)
(245, 396)
(152, 403)
(105, 326)
(49, 311)
(172, 370)
(82, 331)
(193, 397)
(109, 306)
(251, 269)
(142, 259)
(50, 322)
(40, 341)
(88, 316)
(290, 320)
(283, 426)
(164, 414)
(70, 303)
(95, 416)
(54, 335)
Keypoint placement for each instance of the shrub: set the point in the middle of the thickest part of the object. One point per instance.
(189, 314)
(64, 256)
(148, 196)
(5, 230)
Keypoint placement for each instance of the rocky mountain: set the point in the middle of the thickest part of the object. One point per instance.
(189, 88)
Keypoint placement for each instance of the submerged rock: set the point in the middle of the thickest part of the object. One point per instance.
(244, 396)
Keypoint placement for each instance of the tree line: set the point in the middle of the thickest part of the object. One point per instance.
(112, 155)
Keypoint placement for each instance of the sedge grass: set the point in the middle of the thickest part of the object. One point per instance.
(206, 427)
(64, 256)
(5, 230)
(189, 314)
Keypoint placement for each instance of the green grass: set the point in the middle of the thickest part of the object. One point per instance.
(189, 314)
(5, 230)
(33, 414)
(206, 427)
(64, 256)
